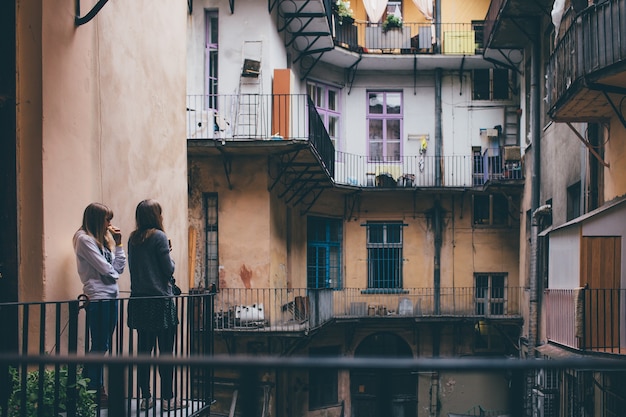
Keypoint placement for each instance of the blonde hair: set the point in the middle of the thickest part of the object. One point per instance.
(95, 218)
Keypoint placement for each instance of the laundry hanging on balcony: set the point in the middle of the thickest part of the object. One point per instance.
(426, 7)
(375, 9)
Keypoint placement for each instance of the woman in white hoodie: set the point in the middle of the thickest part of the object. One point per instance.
(100, 259)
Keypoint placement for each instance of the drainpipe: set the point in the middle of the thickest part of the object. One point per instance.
(437, 226)
(438, 122)
(533, 311)
(535, 103)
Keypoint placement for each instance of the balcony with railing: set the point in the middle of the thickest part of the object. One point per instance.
(410, 38)
(587, 319)
(582, 82)
(301, 310)
(60, 329)
(277, 120)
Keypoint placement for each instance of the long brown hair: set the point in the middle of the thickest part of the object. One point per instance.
(95, 217)
(148, 217)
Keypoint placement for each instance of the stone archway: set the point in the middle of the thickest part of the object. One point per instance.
(382, 393)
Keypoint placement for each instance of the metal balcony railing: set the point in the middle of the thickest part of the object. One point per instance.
(587, 319)
(411, 38)
(593, 41)
(59, 329)
(463, 171)
(300, 310)
(253, 117)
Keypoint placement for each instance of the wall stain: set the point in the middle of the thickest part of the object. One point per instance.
(246, 276)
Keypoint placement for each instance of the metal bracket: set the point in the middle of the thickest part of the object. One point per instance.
(78, 20)
(588, 145)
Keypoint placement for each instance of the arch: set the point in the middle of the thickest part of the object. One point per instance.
(378, 393)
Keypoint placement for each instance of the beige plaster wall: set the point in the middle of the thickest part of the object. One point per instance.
(615, 153)
(99, 119)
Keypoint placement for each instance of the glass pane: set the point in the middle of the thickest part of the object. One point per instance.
(335, 231)
(375, 129)
(375, 103)
(375, 233)
(500, 84)
(481, 84)
(376, 151)
(394, 103)
(333, 122)
(393, 151)
(332, 100)
(393, 130)
(394, 233)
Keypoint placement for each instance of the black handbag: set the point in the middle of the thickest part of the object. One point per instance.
(175, 288)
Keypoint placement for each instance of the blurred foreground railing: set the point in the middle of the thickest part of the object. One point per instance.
(251, 369)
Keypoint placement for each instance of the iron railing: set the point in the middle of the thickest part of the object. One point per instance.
(249, 374)
(59, 329)
(411, 38)
(593, 41)
(463, 171)
(587, 319)
(300, 309)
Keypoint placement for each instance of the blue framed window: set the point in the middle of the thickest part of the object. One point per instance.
(324, 236)
(384, 255)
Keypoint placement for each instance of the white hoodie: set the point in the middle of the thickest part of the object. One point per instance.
(98, 275)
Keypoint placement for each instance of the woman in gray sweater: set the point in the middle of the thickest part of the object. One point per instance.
(151, 309)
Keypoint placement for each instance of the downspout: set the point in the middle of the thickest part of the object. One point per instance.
(533, 311)
(535, 102)
(437, 208)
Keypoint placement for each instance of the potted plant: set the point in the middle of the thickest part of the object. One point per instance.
(55, 389)
(344, 12)
(392, 21)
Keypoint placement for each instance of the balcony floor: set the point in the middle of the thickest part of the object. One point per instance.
(192, 407)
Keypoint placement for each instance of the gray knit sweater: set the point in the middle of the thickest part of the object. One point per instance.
(151, 266)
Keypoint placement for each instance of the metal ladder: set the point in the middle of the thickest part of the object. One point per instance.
(250, 106)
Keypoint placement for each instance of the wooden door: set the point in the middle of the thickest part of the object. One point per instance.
(600, 273)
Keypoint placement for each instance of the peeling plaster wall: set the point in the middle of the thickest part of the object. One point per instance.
(245, 234)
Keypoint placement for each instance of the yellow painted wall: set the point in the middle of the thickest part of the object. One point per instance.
(246, 250)
(615, 153)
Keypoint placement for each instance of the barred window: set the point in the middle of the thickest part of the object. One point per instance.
(384, 255)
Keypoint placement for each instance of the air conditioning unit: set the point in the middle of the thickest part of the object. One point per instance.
(512, 153)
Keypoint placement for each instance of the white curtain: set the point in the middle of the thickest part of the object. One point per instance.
(558, 8)
(375, 9)
(426, 7)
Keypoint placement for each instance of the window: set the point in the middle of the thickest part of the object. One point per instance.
(384, 126)
(210, 226)
(326, 99)
(212, 30)
(491, 210)
(573, 201)
(490, 294)
(324, 237)
(384, 255)
(490, 84)
(323, 383)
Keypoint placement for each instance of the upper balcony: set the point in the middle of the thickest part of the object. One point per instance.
(316, 33)
(282, 125)
(586, 319)
(586, 75)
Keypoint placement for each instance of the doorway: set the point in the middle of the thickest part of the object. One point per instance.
(377, 393)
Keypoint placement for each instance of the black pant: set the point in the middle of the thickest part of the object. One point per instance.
(146, 344)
